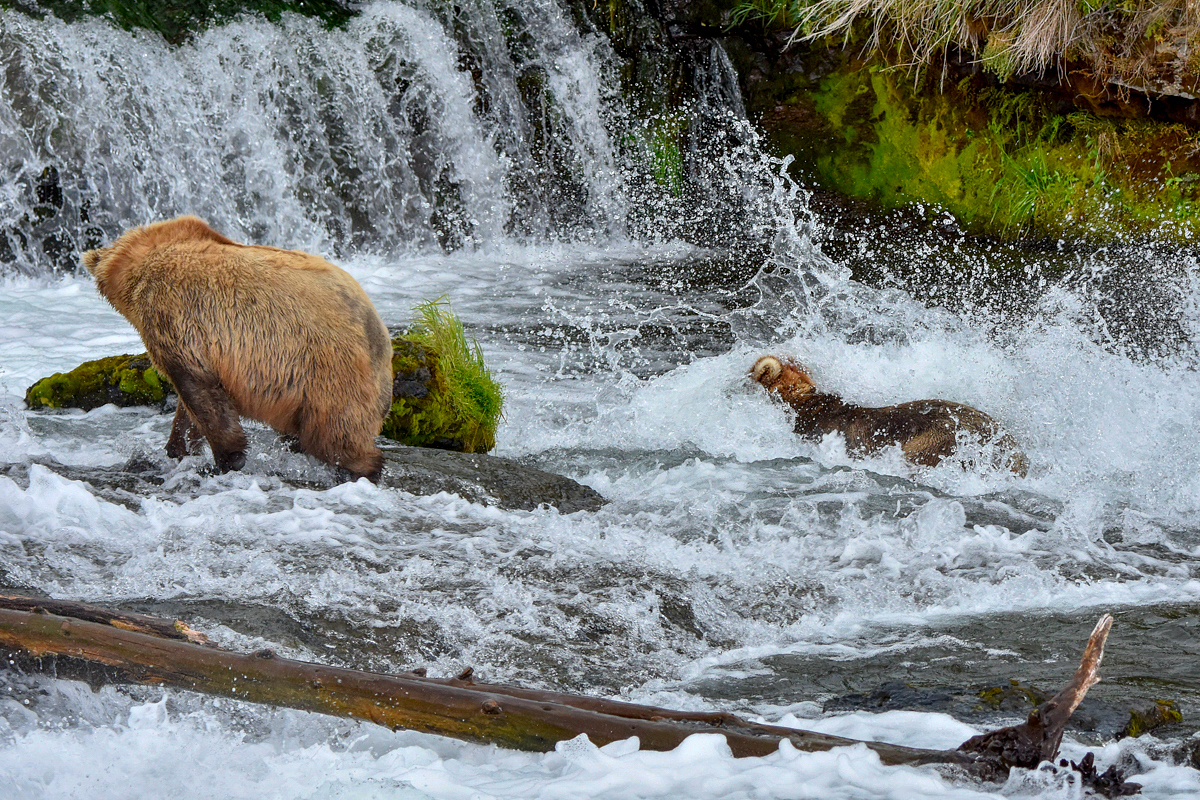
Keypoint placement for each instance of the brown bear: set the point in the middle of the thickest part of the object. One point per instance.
(926, 430)
(279, 336)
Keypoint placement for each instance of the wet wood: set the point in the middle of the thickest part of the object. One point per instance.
(154, 626)
(82, 642)
(1037, 739)
(73, 647)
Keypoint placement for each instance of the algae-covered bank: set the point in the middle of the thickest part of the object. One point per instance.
(1028, 119)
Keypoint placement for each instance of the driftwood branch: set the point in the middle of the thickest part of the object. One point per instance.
(154, 626)
(88, 643)
(516, 718)
(1037, 739)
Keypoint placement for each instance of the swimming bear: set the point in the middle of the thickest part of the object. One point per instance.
(926, 430)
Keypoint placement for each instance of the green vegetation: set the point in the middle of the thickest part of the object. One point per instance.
(658, 147)
(444, 395)
(1141, 720)
(1013, 696)
(176, 20)
(123, 380)
(879, 113)
(665, 157)
(1003, 161)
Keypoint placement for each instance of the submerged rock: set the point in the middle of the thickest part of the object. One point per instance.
(1102, 718)
(490, 480)
(478, 478)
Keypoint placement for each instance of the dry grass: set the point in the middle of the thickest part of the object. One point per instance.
(1126, 41)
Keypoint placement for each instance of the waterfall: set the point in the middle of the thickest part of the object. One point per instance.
(415, 126)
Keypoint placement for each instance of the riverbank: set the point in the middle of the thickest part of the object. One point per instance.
(1011, 145)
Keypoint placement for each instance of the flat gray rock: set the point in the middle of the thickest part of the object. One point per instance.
(491, 480)
(485, 479)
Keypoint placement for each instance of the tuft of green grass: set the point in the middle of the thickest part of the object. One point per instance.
(666, 159)
(476, 397)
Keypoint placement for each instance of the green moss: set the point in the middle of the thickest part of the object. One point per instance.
(1003, 162)
(420, 415)
(127, 380)
(1011, 697)
(443, 394)
(1141, 720)
(991, 696)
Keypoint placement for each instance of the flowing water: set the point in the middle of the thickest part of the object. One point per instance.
(620, 291)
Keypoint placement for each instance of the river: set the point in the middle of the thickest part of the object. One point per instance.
(734, 566)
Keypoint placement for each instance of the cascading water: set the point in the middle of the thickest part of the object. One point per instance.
(371, 138)
(622, 270)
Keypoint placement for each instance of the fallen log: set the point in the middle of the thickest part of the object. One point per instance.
(154, 626)
(78, 641)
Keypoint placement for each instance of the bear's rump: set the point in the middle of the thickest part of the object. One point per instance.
(280, 388)
(273, 360)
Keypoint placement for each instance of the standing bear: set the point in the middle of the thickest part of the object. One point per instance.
(926, 430)
(279, 336)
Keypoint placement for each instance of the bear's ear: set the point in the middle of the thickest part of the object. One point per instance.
(785, 378)
(92, 258)
(766, 370)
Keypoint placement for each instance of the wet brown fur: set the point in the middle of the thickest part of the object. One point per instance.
(926, 430)
(279, 336)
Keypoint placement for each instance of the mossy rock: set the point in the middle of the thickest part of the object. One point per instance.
(1013, 697)
(431, 407)
(424, 411)
(1150, 715)
(127, 380)
(442, 394)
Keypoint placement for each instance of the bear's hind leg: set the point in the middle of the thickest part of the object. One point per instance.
(336, 444)
(369, 466)
(212, 411)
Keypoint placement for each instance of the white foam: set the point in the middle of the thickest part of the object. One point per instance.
(193, 756)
